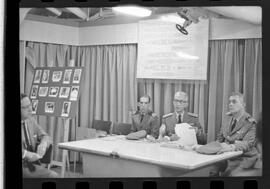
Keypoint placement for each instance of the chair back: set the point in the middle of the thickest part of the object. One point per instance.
(102, 125)
(85, 133)
(121, 128)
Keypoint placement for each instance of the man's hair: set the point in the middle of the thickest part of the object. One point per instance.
(180, 93)
(23, 95)
(146, 96)
(240, 96)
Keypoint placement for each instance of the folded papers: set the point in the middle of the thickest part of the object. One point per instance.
(186, 133)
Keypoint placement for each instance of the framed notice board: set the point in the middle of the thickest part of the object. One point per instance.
(55, 91)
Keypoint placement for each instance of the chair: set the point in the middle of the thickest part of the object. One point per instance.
(121, 128)
(102, 125)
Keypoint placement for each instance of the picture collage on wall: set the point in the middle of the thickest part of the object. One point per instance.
(55, 90)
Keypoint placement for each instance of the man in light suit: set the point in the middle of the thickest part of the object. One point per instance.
(238, 133)
(145, 119)
(35, 144)
(180, 115)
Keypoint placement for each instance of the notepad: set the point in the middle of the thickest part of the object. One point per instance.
(186, 133)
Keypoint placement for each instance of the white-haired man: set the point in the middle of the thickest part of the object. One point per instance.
(180, 115)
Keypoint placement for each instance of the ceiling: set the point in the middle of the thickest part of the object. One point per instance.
(98, 15)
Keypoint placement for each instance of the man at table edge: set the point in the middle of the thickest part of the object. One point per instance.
(180, 115)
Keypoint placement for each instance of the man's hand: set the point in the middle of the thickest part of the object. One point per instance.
(226, 148)
(151, 138)
(195, 128)
(174, 137)
(41, 149)
(31, 156)
(162, 130)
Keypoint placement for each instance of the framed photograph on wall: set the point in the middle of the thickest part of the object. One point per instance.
(34, 106)
(66, 109)
(64, 92)
(57, 75)
(43, 91)
(45, 76)
(67, 76)
(53, 91)
(37, 76)
(49, 107)
(77, 76)
(74, 93)
(34, 92)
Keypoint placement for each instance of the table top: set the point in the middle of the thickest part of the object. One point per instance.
(145, 151)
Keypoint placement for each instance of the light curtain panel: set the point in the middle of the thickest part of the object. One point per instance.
(166, 53)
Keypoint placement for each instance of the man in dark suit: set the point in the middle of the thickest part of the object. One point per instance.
(180, 115)
(35, 144)
(145, 119)
(237, 133)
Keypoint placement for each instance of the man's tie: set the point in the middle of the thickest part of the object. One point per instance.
(179, 118)
(141, 118)
(233, 124)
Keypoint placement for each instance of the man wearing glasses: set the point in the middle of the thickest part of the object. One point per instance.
(35, 144)
(180, 115)
(145, 119)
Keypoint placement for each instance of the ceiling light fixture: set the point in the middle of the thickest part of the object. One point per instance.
(134, 11)
(55, 11)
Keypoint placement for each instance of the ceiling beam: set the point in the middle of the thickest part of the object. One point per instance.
(251, 14)
(23, 13)
(78, 12)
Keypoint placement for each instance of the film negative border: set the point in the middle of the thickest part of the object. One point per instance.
(192, 183)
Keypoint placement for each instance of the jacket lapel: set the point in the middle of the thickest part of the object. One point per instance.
(239, 124)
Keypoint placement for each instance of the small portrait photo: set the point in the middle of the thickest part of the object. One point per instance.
(64, 92)
(77, 76)
(67, 76)
(37, 76)
(49, 107)
(74, 93)
(66, 109)
(46, 76)
(57, 75)
(34, 106)
(53, 91)
(34, 92)
(43, 91)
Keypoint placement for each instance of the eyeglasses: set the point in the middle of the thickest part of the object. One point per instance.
(180, 101)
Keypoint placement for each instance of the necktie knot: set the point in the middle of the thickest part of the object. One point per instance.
(179, 118)
(233, 124)
(142, 116)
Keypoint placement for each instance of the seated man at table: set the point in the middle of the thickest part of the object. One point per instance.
(237, 133)
(33, 153)
(145, 119)
(180, 115)
(252, 166)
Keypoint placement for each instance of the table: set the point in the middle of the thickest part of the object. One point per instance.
(115, 156)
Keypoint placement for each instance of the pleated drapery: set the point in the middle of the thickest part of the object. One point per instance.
(110, 89)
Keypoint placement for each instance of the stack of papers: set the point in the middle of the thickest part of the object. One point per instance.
(186, 133)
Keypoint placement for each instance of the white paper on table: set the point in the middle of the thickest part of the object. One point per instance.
(186, 134)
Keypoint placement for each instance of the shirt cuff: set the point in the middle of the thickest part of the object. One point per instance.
(24, 154)
(233, 147)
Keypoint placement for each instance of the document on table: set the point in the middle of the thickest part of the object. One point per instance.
(186, 133)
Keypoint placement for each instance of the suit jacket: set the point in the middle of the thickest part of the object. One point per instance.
(36, 134)
(244, 132)
(192, 119)
(150, 123)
